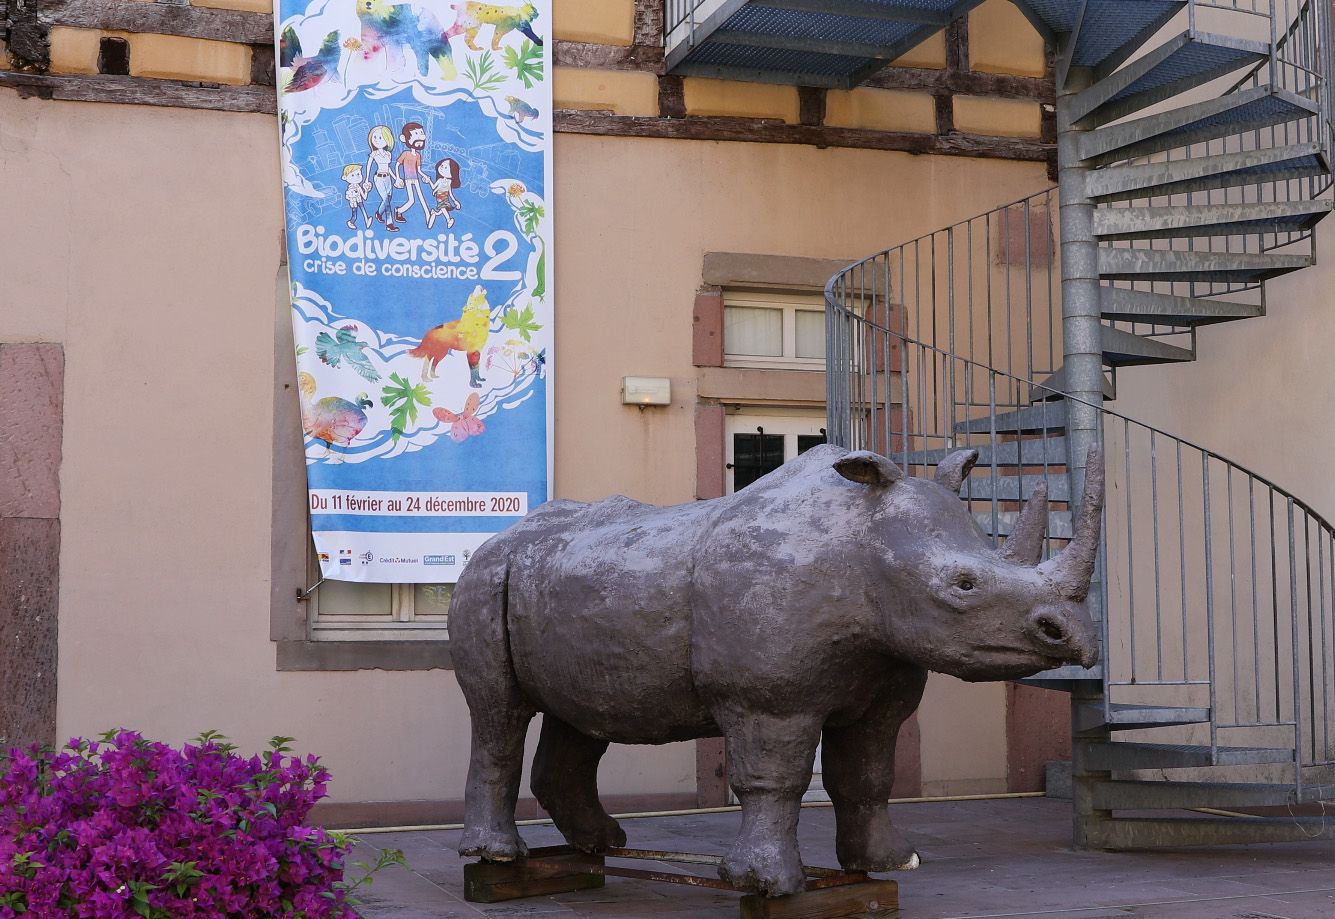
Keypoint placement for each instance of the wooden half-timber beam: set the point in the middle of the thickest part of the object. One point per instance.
(261, 99)
(142, 91)
(969, 83)
(644, 58)
(770, 131)
(162, 18)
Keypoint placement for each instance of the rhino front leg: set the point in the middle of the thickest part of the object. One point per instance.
(858, 763)
(769, 767)
(565, 782)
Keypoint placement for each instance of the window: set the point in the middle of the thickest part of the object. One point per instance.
(774, 330)
(354, 611)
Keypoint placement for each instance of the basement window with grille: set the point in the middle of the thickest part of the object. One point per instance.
(773, 330)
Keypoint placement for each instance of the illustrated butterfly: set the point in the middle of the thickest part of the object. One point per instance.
(465, 424)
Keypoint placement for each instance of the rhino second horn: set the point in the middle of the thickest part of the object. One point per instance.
(1025, 544)
(1070, 572)
(952, 471)
(868, 468)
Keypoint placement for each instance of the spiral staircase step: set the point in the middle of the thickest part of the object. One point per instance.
(1235, 113)
(1128, 223)
(1205, 173)
(1183, 62)
(1223, 267)
(1032, 419)
(981, 486)
(1124, 305)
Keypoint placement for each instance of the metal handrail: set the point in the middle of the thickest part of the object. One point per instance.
(832, 301)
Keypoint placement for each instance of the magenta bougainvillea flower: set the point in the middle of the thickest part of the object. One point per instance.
(127, 827)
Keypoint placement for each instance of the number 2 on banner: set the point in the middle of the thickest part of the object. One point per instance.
(508, 247)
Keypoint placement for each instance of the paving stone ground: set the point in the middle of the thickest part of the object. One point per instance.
(1004, 858)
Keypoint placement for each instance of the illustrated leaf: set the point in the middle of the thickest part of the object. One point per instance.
(526, 63)
(481, 73)
(522, 321)
(530, 213)
(540, 286)
(402, 399)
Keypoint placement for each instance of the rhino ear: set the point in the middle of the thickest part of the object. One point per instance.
(953, 470)
(868, 468)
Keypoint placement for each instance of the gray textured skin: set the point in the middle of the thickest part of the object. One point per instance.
(810, 604)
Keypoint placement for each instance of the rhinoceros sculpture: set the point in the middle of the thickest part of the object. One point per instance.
(809, 605)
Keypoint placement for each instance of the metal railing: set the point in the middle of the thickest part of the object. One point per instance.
(682, 20)
(1218, 584)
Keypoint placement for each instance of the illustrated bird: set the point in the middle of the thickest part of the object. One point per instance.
(391, 27)
(520, 110)
(468, 333)
(333, 420)
(307, 72)
(345, 347)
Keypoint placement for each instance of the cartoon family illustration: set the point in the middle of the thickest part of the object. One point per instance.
(406, 173)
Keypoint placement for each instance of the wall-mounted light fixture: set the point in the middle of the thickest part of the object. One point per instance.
(646, 391)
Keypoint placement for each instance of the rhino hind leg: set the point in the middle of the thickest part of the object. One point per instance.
(500, 711)
(494, 770)
(565, 782)
(859, 770)
(769, 767)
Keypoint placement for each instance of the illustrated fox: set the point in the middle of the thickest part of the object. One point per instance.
(468, 333)
(473, 16)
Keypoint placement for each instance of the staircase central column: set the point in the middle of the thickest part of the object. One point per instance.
(1083, 365)
(1081, 325)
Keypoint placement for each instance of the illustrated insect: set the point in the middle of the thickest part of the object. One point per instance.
(465, 424)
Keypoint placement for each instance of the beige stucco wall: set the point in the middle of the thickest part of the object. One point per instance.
(149, 245)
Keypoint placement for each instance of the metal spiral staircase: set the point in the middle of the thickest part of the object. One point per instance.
(1194, 146)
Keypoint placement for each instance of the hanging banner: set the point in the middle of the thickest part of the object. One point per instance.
(416, 179)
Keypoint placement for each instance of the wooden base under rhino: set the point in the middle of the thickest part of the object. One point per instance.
(829, 893)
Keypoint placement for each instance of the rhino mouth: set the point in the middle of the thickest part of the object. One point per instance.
(1013, 663)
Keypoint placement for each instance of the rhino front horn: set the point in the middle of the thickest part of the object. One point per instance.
(1071, 570)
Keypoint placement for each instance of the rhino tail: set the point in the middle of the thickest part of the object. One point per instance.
(479, 623)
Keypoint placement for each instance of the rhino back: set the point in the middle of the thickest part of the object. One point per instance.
(784, 607)
(599, 617)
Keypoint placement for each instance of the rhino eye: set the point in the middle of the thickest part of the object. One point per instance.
(965, 582)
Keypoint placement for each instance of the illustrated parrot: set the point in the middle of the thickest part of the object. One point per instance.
(520, 110)
(307, 73)
(345, 347)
